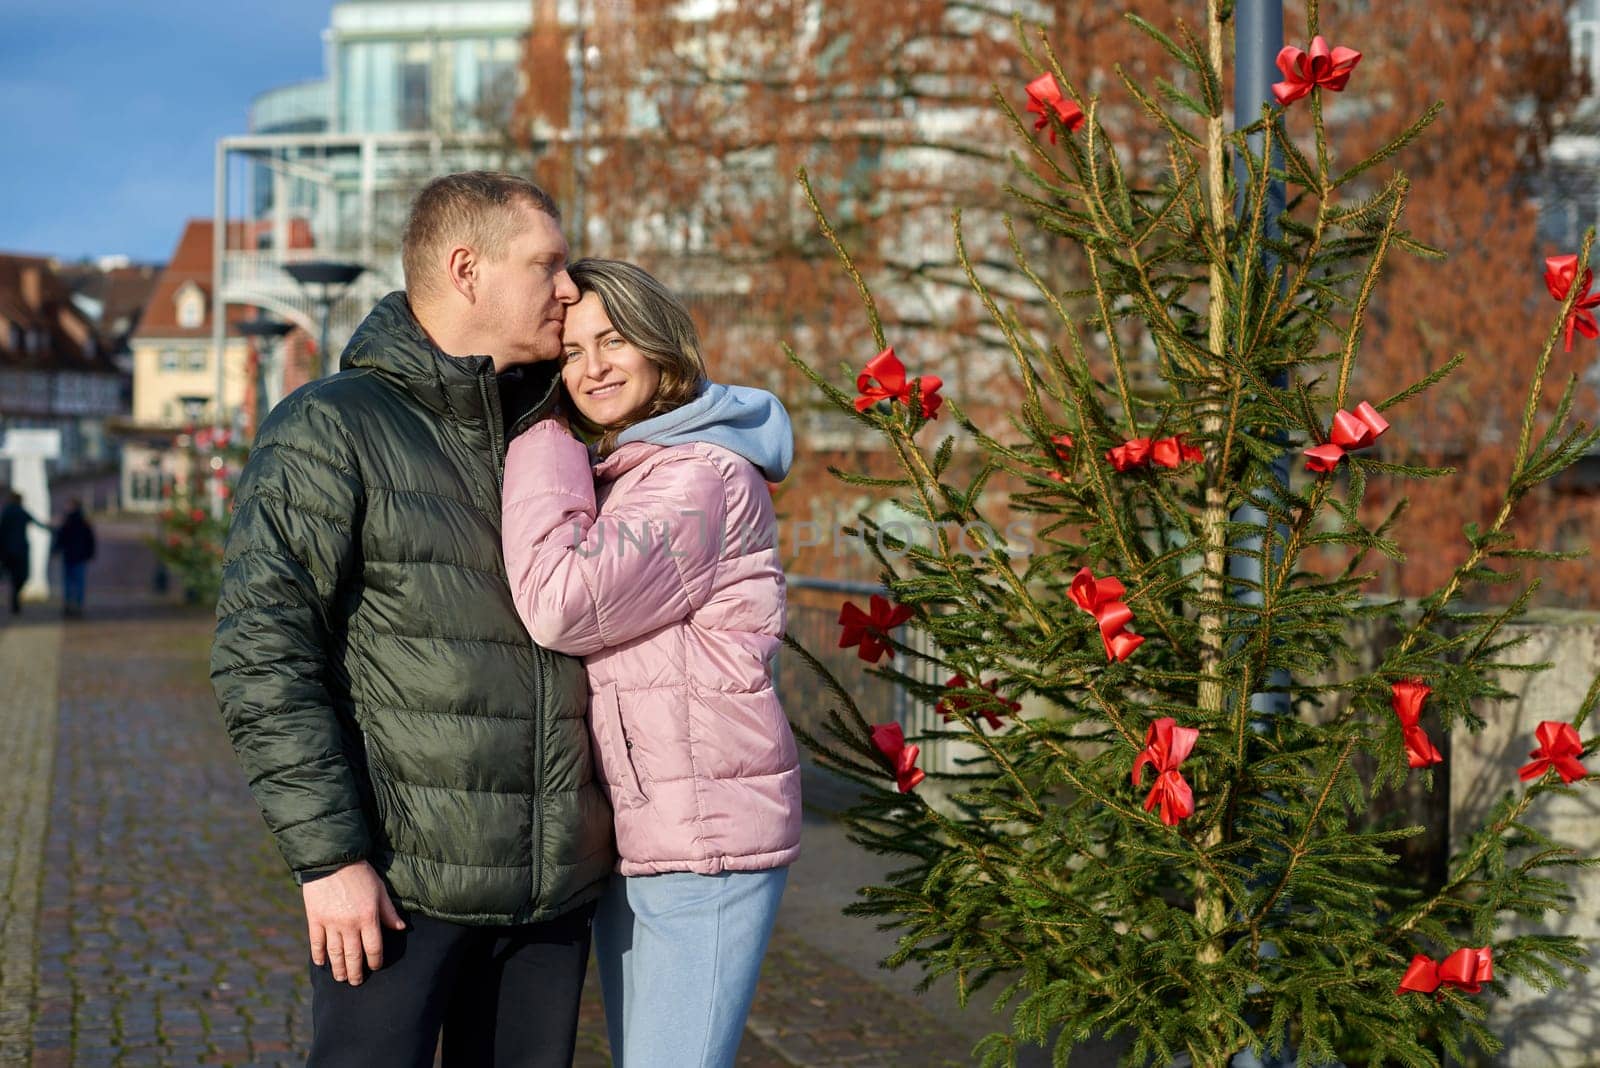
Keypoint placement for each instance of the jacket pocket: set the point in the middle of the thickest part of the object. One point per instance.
(616, 748)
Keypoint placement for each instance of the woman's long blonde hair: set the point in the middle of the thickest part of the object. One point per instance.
(653, 321)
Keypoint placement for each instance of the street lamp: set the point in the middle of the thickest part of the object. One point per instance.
(267, 333)
(332, 279)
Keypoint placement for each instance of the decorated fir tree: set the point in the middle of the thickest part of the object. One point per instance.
(1150, 850)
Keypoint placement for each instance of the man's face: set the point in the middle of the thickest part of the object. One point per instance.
(522, 297)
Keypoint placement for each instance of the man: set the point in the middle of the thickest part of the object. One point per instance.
(14, 554)
(424, 767)
(74, 540)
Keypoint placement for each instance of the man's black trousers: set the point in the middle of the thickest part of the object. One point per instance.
(505, 997)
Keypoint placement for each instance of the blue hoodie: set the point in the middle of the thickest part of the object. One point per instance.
(741, 419)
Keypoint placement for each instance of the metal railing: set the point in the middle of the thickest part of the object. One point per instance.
(259, 278)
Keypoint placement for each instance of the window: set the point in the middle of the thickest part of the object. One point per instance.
(197, 359)
(413, 74)
(486, 82)
(191, 307)
(368, 82)
(170, 360)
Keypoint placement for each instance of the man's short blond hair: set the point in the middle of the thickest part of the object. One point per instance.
(477, 209)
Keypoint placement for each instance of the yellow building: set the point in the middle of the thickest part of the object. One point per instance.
(175, 374)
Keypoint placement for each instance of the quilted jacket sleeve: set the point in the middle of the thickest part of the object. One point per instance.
(291, 545)
(584, 582)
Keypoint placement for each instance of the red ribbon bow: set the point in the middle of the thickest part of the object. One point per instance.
(1135, 452)
(954, 703)
(1045, 95)
(1164, 452)
(1406, 697)
(1166, 745)
(885, 379)
(1305, 71)
(1349, 432)
(1175, 452)
(890, 740)
(1559, 748)
(1559, 274)
(1063, 444)
(870, 630)
(1466, 969)
(1102, 598)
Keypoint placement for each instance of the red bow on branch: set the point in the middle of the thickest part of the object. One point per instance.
(1045, 95)
(954, 703)
(885, 379)
(1349, 432)
(1102, 598)
(1166, 745)
(1406, 697)
(1559, 273)
(1559, 748)
(1063, 444)
(1175, 452)
(1135, 452)
(1304, 71)
(1466, 969)
(1164, 452)
(870, 631)
(890, 740)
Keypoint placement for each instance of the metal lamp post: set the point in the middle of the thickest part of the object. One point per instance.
(332, 278)
(268, 334)
(1257, 36)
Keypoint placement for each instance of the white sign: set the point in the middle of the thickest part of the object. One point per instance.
(28, 450)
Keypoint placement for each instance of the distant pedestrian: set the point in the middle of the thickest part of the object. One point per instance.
(74, 540)
(14, 520)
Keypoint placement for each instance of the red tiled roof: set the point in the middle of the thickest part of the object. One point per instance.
(121, 292)
(35, 301)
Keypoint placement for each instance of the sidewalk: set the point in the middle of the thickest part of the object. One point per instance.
(145, 918)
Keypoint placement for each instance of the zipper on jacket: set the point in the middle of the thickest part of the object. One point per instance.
(536, 804)
(490, 392)
(496, 424)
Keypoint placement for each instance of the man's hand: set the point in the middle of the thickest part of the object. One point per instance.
(346, 913)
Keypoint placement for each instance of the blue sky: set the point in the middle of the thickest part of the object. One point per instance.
(110, 111)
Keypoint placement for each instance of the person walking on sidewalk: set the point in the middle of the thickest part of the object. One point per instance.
(666, 578)
(15, 557)
(74, 540)
(421, 762)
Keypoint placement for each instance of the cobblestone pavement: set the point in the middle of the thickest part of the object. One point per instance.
(147, 919)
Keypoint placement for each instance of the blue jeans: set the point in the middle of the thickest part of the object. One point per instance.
(679, 956)
(72, 583)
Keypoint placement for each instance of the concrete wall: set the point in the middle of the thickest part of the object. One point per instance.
(1559, 1027)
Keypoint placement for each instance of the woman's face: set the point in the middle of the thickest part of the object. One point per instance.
(606, 377)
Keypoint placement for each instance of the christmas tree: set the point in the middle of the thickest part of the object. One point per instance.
(1177, 842)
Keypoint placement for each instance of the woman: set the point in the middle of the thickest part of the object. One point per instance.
(660, 566)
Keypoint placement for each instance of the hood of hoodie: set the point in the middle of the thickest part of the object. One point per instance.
(750, 422)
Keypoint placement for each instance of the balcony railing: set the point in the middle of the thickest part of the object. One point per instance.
(259, 278)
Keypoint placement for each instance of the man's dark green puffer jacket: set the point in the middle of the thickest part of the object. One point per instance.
(380, 691)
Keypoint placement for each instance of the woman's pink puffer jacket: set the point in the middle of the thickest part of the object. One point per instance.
(660, 567)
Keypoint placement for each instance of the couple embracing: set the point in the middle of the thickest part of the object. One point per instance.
(500, 605)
